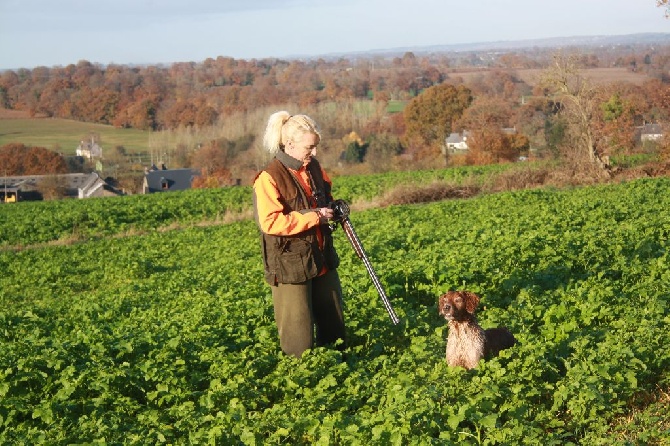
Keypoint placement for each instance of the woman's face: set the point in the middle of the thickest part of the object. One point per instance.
(303, 148)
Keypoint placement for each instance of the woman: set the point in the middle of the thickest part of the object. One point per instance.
(291, 198)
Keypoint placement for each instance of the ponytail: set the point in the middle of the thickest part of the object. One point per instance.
(282, 127)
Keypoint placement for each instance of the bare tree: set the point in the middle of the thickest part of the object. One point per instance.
(53, 187)
(579, 102)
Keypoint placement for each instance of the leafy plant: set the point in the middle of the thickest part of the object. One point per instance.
(169, 336)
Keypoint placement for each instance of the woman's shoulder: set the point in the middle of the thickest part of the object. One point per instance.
(263, 177)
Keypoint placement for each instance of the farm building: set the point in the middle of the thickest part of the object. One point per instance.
(165, 180)
(72, 185)
(9, 194)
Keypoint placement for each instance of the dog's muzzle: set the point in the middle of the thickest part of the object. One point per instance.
(446, 312)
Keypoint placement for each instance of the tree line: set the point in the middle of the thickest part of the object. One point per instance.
(188, 93)
(206, 115)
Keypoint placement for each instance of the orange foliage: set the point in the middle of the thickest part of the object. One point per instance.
(201, 94)
(430, 115)
(213, 160)
(210, 180)
(492, 145)
(17, 159)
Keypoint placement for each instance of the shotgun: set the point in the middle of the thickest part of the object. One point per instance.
(341, 215)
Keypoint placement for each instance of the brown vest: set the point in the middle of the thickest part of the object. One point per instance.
(297, 258)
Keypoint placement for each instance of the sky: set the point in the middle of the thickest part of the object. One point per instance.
(62, 32)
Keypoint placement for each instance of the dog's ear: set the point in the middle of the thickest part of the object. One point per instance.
(440, 304)
(471, 301)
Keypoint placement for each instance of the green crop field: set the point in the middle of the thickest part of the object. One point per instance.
(167, 336)
(32, 223)
(66, 134)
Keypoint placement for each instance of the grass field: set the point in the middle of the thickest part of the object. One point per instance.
(532, 76)
(396, 106)
(65, 135)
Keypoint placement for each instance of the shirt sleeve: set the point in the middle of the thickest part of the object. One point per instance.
(269, 210)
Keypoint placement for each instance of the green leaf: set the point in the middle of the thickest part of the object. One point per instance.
(489, 421)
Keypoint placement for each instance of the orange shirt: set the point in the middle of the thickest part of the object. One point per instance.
(272, 219)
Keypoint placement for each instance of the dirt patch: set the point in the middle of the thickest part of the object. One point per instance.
(436, 191)
(519, 179)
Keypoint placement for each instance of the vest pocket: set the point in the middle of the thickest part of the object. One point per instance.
(296, 262)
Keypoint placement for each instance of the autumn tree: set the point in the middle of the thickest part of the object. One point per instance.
(356, 148)
(53, 187)
(499, 83)
(140, 115)
(18, 159)
(429, 116)
(492, 137)
(214, 160)
(486, 112)
(488, 145)
(618, 123)
(657, 95)
(56, 92)
(206, 115)
(381, 151)
(208, 96)
(116, 160)
(181, 113)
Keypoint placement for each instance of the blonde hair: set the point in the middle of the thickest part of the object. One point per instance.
(283, 127)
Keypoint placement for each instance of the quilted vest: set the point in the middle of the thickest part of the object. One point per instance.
(297, 258)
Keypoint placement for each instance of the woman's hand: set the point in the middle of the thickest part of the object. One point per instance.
(325, 214)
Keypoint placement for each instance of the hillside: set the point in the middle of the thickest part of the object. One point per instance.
(64, 135)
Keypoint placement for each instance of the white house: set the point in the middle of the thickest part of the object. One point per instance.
(651, 132)
(457, 142)
(89, 149)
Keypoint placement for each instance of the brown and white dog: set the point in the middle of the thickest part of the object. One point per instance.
(467, 342)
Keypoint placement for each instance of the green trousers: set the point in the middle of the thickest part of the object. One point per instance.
(303, 308)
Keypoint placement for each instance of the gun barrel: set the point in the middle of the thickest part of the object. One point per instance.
(360, 251)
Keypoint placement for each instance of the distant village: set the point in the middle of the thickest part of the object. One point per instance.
(163, 179)
(89, 185)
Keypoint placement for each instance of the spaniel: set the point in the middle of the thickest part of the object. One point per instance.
(467, 342)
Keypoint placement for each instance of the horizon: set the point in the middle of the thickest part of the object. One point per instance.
(511, 45)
